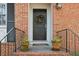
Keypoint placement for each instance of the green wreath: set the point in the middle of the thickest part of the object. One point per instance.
(39, 19)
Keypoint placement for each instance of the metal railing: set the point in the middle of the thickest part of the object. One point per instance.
(70, 41)
(8, 47)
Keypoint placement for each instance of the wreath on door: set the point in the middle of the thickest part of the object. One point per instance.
(39, 19)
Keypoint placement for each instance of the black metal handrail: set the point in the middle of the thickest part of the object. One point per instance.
(13, 28)
(7, 33)
(18, 29)
(61, 30)
(68, 30)
(68, 43)
(10, 31)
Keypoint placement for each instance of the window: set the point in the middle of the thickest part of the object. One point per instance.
(2, 14)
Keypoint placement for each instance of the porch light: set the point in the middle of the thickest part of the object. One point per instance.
(58, 5)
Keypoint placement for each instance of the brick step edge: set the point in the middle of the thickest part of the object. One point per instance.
(41, 54)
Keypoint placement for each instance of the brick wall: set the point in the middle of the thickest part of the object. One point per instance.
(7, 49)
(21, 21)
(66, 17)
(21, 16)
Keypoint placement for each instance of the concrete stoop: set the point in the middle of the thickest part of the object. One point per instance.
(41, 50)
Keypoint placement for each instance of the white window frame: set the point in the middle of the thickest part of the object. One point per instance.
(3, 28)
(5, 13)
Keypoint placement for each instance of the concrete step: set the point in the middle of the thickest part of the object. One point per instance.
(41, 50)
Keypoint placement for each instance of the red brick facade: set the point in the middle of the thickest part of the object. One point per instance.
(7, 49)
(21, 21)
(65, 18)
(21, 16)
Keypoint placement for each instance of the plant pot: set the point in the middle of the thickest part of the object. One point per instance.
(56, 43)
(24, 48)
(24, 44)
(56, 46)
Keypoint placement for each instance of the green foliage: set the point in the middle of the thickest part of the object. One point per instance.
(24, 44)
(75, 54)
(56, 43)
(57, 39)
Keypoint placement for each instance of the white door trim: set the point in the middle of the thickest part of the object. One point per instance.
(30, 21)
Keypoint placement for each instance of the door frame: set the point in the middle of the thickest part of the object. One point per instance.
(49, 22)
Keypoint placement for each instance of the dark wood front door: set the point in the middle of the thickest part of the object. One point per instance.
(39, 24)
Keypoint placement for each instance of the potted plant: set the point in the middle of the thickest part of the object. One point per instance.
(25, 44)
(56, 43)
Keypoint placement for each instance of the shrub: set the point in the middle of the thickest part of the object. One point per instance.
(25, 44)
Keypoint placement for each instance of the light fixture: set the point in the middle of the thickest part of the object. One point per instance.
(58, 5)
